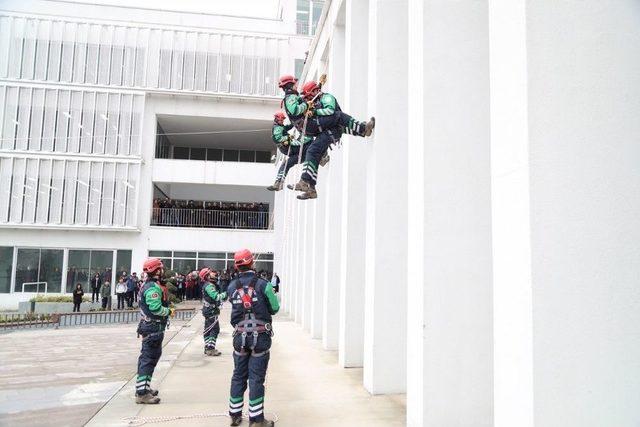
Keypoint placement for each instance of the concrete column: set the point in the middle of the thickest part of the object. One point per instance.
(296, 259)
(318, 276)
(331, 315)
(387, 189)
(450, 335)
(308, 262)
(354, 201)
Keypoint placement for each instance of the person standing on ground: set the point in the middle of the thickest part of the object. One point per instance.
(212, 297)
(253, 302)
(78, 293)
(132, 285)
(96, 282)
(154, 315)
(105, 291)
(180, 286)
(121, 291)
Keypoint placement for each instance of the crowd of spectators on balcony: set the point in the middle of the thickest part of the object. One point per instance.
(214, 214)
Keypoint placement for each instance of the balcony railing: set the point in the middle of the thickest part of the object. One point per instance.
(208, 218)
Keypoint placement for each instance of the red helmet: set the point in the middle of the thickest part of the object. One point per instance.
(151, 265)
(309, 89)
(279, 117)
(285, 80)
(243, 257)
(204, 274)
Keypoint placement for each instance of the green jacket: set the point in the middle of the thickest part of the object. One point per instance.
(105, 290)
(326, 105)
(294, 105)
(280, 133)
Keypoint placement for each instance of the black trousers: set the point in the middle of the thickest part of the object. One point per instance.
(95, 294)
(129, 297)
(152, 335)
(120, 301)
(76, 307)
(105, 300)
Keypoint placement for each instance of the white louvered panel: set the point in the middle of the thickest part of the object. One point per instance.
(189, 67)
(214, 55)
(87, 132)
(95, 193)
(17, 190)
(132, 191)
(129, 60)
(6, 171)
(71, 190)
(15, 49)
(147, 58)
(93, 53)
(100, 124)
(75, 110)
(60, 141)
(49, 122)
(248, 65)
(6, 26)
(104, 57)
(124, 141)
(200, 81)
(3, 97)
(271, 71)
(80, 53)
(113, 112)
(55, 51)
(225, 63)
(24, 113)
(68, 48)
(117, 56)
(37, 115)
(108, 182)
(166, 46)
(120, 195)
(57, 186)
(82, 193)
(9, 124)
(29, 49)
(236, 64)
(44, 192)
(42, 50)
(30, 191)
(136, 124)
(259, 74)
(177, 60)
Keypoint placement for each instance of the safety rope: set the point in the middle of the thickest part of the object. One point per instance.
(139, 421)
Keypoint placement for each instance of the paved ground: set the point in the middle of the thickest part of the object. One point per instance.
(62, 377)
(305, 386)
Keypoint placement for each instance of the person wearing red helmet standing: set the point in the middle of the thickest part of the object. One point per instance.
(329, 121)
(154, 315)
(211, 300)
(288, 146)
(253, 303)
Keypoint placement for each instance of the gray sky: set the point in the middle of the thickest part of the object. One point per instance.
(255, 8)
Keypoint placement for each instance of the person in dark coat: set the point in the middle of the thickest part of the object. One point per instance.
(96, 282)
(78, 293)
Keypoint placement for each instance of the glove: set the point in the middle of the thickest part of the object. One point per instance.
(172, 312)
(308, 113)
(286, 141)
(222, 296)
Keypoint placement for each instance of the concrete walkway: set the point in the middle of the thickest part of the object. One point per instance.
(305, 385)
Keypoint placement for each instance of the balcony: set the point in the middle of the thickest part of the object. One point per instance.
(209, 218)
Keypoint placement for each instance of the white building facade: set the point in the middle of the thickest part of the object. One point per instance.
(104, 110)
(480, 252)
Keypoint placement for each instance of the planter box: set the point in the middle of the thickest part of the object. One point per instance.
(54, 307)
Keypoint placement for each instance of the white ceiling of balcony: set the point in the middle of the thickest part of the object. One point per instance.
(238, 137)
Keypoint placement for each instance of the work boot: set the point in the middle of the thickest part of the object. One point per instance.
(300, 186)
(236, 420)
(311, 193)
(369, 126)
(277, 186)
(153, 392)
(264, 423)
(147, 399)
(324, 160)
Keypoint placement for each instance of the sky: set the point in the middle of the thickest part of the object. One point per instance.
(255, 8)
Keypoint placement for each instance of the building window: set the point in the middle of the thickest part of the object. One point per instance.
(123, 262)
(307, 16)
(39, 270)
(84, 264)
(213, 260)
(299, 66)
(6, 265)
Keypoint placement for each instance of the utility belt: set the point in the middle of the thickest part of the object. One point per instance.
(252, 326)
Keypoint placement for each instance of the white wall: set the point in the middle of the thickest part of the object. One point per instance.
(231, 193)
(206, 172)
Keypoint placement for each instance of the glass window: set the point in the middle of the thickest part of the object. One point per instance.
(160, 254)
(167, 263)
(6, 263)
(264, 266)
(214, 154)
(247, 156)
(123, 262)
(220, 255)
(78, 267)
(184, 266)
(212, 264)
(181, 153)
(39, 270)
(299, 66)
(198, 153)
(102, 263)
(231, 155)
(51, 268)
(264, 257)
(184, 254)
(263, 156)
